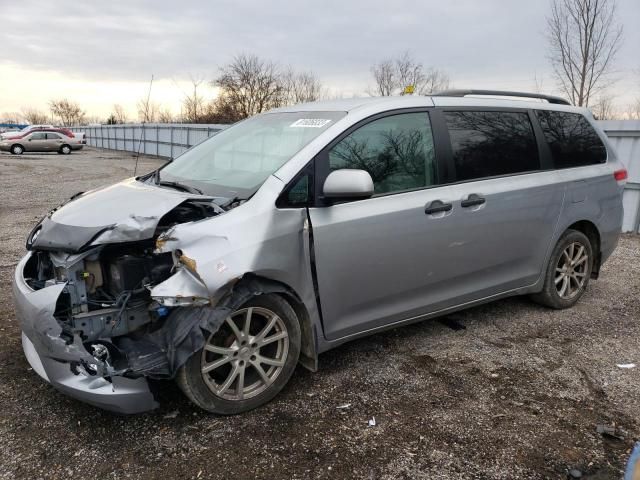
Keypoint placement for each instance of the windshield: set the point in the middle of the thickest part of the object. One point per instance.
(235, 162)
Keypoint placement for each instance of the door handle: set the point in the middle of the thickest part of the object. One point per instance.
(473, 200)
(437, 206)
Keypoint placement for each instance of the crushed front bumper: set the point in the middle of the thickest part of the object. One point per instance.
(52, 358)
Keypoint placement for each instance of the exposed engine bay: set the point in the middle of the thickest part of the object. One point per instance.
(106, 300)
(107, 292)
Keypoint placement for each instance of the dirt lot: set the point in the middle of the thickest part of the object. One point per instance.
(508, 390)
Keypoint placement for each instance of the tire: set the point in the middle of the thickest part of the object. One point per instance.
(65, 149)
(568, 272)
(17, 149)
(225, 354)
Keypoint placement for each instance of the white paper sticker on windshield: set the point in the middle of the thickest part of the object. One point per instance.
(310, 123)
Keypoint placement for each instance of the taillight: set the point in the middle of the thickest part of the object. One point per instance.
(620, 176)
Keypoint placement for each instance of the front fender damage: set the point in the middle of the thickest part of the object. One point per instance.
(212, 269)
(161, 353)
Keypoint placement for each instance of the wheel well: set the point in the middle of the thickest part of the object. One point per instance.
(17, 145)
(308, 351)
(592, 233)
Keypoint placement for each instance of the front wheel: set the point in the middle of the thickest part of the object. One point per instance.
(17, 149)
(568, 271)
(247, 361)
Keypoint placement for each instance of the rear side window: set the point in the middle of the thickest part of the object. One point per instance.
(397, 151)
(53, 136)
(486, 144)
(572, 139)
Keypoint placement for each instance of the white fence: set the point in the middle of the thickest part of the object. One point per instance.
(625, 137)
(160, 139)
(170, 140)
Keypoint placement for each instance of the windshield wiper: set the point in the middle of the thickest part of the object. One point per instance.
(179, 186)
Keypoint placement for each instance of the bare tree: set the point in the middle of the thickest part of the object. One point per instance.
(603, 108)
(584, 38)
(93, 119)
(538, 83)
(301, 87)
(633, 110)
(393, 76)
(434, 81)
(194, 104)
(147, 110)
(221, 110)
(408, 72)
(33, 116)
(10, 117)
(165, 115)
(119, 114)
(249, 85)
(384, 77)
(67, 112)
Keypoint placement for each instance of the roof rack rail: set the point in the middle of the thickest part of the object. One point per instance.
(500, 93)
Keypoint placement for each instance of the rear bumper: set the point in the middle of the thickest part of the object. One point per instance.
(52, 358)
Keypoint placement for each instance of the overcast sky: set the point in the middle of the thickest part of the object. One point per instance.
(101, 53)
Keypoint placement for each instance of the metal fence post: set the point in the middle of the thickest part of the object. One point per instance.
(171, 142)
(157, 140)
(188, 132)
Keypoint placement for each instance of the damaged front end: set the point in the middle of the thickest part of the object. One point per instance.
(83, 295)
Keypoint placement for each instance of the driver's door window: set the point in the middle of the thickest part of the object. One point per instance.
(397, 151)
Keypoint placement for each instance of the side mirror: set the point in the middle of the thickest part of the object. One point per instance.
(348, 184)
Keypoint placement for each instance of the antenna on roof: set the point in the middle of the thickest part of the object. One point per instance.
(144, 120)
(500, 93)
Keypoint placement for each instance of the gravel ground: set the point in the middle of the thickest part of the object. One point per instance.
(503, 391)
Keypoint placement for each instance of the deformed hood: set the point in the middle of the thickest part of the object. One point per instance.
(123, 212)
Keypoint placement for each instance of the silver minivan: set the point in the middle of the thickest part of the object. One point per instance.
(297, 230)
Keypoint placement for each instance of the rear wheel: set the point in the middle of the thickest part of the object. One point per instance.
(247, 361)
(65, 149)
(568, 271)
(17, 149)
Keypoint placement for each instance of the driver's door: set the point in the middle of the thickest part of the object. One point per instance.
(374, 257)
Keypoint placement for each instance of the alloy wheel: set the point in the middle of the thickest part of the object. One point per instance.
(571, 270)
(246, 355)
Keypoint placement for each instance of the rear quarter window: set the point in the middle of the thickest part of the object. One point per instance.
(571, 138)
